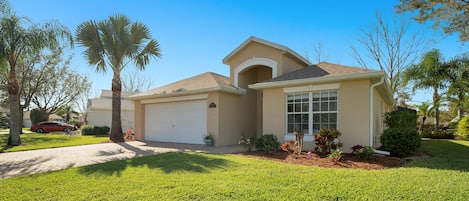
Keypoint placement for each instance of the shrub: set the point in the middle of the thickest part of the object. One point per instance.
(365, 152)
(268, 143)
(326, 141)
(290, 146)
(247, 142)
(400, 141)
(438, 134)
(336, 155)
(38, 115)
(453, 125)
(401, 119)
(94, 130)
(463, 128)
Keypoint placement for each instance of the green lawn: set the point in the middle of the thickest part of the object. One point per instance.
(197, 176)
(31, 141)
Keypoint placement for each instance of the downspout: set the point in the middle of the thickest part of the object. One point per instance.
(372, 107)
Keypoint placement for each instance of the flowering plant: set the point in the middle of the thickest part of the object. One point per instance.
(129, 135)
(290, 146)
(247, 142)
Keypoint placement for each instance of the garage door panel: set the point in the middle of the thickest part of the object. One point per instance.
(183, 122)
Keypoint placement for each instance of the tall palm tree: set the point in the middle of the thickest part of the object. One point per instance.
(16, 41)
(114, 43)
(429, 73)
(458, 90)
(424, 110)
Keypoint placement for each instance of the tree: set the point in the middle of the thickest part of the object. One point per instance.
(452, 16)
(319, 54)
(431, 72)
(67, 111)
(424, 110)
(113, 43)
(16, 41)
(390, 47)
(81, 104)
(458, 90)
(61, 85)
(38, 115)
(134, 81)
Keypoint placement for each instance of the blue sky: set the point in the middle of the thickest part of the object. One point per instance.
(195, 35)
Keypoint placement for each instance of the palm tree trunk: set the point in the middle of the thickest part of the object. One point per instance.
(422, 126)
(116, 127)
(14, 98)
(460, 105)
(437, 107)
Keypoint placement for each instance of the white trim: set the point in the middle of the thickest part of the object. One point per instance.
(310, 112)
(372, 106)
(334, 78)
(173, 99)
(311, 87)
(237, 91)
(254, 62)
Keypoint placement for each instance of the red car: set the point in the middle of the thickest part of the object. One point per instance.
(52, 126)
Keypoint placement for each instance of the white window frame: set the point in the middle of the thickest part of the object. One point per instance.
(301, 90)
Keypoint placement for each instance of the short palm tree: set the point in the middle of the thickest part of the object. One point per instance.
(113, 43)
(432, 73)
(17, 41)
(424, 110)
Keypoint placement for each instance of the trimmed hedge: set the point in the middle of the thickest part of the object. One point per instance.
(268, 143)
(400, 142)
(94, 130)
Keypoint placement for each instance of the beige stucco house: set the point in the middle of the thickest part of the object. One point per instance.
(271, 89)
(100, 110)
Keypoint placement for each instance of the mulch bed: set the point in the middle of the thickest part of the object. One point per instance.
(348, 161)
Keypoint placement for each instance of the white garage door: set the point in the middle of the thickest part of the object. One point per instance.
(182, 122)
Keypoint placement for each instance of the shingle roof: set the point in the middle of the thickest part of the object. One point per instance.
(203, 81)
(319, 70)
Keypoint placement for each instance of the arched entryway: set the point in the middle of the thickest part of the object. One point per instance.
(252, 100)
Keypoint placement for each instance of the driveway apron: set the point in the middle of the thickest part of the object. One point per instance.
(45, 160)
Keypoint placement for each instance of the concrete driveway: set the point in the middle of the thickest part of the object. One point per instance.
(45, 160)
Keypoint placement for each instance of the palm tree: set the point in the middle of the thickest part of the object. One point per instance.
(17, 41)
(429, 73)
(114, 43)
(458, 90)
(424, 110)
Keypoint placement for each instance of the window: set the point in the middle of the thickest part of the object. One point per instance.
(298, 112)
(312, 111)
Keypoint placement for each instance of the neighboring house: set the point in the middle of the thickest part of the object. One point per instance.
(100, 110)
(271, 89)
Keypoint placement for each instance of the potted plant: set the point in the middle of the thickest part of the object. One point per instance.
(208, 139)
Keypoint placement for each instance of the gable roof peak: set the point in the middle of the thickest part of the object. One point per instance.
(266, 43)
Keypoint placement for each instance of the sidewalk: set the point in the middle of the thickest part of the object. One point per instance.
(45, 160)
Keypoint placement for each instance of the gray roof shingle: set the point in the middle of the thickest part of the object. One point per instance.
(319, 70)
